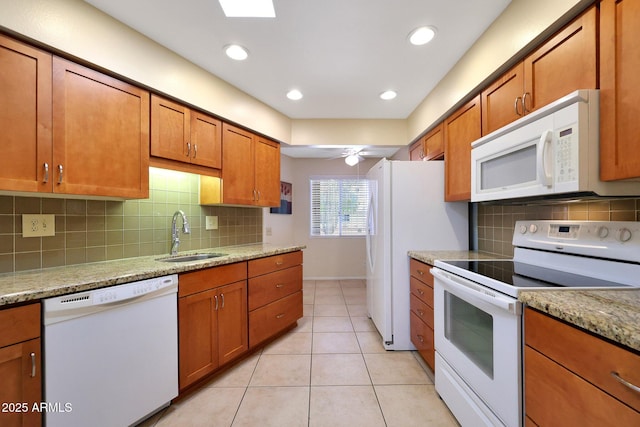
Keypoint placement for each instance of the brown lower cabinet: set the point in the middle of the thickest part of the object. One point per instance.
(212, 320)
(20, 362)
(569, 377)
(421, 303)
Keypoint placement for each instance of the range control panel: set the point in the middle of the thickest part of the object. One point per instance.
(605, 239)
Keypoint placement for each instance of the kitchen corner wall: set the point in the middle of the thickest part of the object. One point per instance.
(496, 222)
(98, 230)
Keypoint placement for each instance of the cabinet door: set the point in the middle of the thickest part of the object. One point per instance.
(25, 117)
(206, 140)
(565, 63)
(416, 151)
(502, 100)
(238, 179)
(267, 164)
(233, 335)
(198, 336)
(434, 143)
(21, 383)
(100, 134)
(460, 130)
(170, 129)
(619, 89)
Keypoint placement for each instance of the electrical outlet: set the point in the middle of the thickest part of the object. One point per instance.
(38, 225)
(211, 223)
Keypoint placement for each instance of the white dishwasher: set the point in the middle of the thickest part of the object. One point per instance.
(111, 355)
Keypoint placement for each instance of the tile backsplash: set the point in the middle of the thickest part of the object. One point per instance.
(495, 222)
(98, 230)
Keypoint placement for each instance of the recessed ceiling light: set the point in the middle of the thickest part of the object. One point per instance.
(422, 35)
(236, 52)
(388, 95)
(248, 8)
(294, 95)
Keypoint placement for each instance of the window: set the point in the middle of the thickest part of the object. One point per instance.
(339, 207)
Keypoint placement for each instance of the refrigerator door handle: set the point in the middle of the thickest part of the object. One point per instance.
(371, 228)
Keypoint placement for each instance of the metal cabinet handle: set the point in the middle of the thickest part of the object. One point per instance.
(222, 296)
(46, 173)
(421, 338)
(421, 313)
(188, 149)
(33, 365)
(254, 194)
(258, 195)
(195, 150)
(524, 103)
(625, 382)
(280, 285)
(280, 316)
(60, 174)
(515, 106)
(279, 262)
(420, 291)
(215, 297)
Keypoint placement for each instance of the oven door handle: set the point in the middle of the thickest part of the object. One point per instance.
(468, 288)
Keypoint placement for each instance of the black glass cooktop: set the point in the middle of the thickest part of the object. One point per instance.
(522, 275)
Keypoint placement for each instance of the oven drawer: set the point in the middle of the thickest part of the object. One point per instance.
(422, 310)
(421, 291)
(591, 358)
(422, 338)
(420, 271)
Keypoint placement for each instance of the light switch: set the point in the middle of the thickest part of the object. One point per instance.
(38, 225)
(211, 222)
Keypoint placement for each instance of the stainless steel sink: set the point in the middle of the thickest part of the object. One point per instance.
(192, 257)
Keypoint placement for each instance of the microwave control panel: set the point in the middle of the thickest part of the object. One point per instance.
(566, 155)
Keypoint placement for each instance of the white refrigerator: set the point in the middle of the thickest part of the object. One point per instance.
(406, 212)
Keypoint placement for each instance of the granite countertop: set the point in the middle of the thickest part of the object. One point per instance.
(613, 314)
(38, 284)
(430, 257)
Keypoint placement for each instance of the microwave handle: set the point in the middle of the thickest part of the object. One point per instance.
(543, 145)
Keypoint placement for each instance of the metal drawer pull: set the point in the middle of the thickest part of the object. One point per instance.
(279, 262)
(215, 297)
(280, 316)
(222, 295)
(421, 313)
(625, 382)
(420, 272)
(420, 291)
(46, 173)
(421, 338)
(61, 174)
(280, 285)
(33, 365)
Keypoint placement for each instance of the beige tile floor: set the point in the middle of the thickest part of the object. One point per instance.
(332, 370)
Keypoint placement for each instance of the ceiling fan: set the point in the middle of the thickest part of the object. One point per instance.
(354, 155)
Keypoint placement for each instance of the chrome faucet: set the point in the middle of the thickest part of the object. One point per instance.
(175, 239)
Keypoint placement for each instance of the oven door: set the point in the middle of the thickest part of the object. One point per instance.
(478, 336)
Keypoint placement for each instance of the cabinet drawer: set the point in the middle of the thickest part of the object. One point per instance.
(273, 286)
(592, 358)
(422, 338)
(422, 310)
(19, 324)
(421, 291)
(265, 322)
(557, 397)
(273, 263)
(208, 278)
(420, 271)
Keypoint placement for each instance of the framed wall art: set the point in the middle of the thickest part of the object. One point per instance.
(285, 199)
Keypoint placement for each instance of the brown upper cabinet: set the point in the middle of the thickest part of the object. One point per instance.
(619, 89)
(70, 130)
(430, 146)
(250, 168)
(185, 135)
(100, 134)
(460, 129)
(416, 151)
(564, 63)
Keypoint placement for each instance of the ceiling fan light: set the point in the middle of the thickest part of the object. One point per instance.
(352, 159)
(236, 52)
(294, 95)
(422, 35)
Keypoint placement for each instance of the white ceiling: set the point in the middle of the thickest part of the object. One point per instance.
(340, 53)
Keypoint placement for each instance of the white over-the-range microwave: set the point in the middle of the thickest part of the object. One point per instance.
(552, 152)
